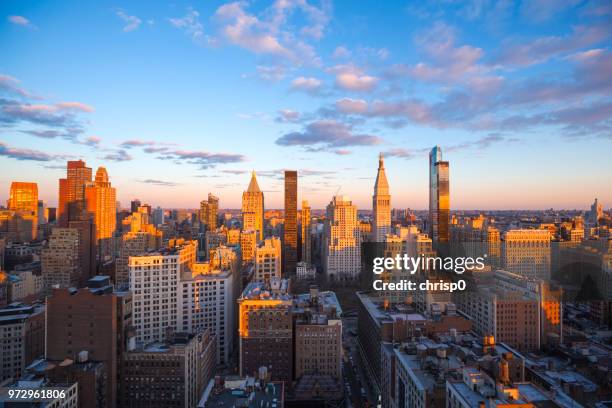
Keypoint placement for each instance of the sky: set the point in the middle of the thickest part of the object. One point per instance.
(179, 99)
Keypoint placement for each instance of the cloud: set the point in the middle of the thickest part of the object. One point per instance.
(323, 134)
(288, 116)
(342, 152)
(341, 52)
(352, 106)
(10, 85)
(234, 172)
(54, 115)
(542, 10)
(201, 158)
(543, 49)
(271, 73)
(92, 141)
(118, 156)
(20, 20)
(131, 22)
(352, 78)
(306, 84)
(159, 183)
(26, 154)
(128, 144)
(270, 33)
(190, 24)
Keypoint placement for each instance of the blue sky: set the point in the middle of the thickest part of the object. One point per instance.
(177, 99)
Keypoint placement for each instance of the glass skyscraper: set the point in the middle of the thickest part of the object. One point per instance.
(439, 197)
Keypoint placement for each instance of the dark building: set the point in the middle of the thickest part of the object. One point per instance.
(90, 325)
(290, 236)
(170, 374)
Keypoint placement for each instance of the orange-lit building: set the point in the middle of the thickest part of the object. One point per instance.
(72, 192)
(101, 201)
(23, 204)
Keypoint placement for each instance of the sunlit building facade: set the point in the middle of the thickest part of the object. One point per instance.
(381, 204)
(290, 227)
(101, 201)
(342, 239)
(253, 208)
(439, 197)
(268, 259)
(72, 192)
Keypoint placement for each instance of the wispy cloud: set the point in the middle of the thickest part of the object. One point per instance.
(131, 22)
(27, 154)
(118, 156)
(306, 84)
(161, 183)
(20, 20)
(190, 24)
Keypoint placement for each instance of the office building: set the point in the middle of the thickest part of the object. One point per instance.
(101, 201)
(208, 212)
(306, 235)
(342, 240)
(439, 197)
(527, 252)
(381, 204)
(71, 202)
(22, 338)
(154, 280)
(253, 208)
(172, 373)
(91, 324)
(23, 199)
(268, 259)
(266, 330)
(290, 225)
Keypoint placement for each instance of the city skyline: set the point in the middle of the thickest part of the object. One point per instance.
(506, 91)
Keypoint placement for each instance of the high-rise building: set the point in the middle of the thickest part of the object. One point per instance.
(208, 212)
(253, 208)
(439, 197)
(154, 280)
(306, 236)
(23, 198)
(22, 338)
(101, 201)
(173, 373)
(92, 322)
(248, 243)
(268, 259)
(207, 301)
(381, 204)
(61, 265)
(266, 330)
(342, 240)
(72, 192)
(135, 205)
(290, 226)
(527, 252)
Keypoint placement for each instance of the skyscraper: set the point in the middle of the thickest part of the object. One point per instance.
(253, 208)
(381, 204)
(290, 228)
(306, 238)
(23, 198)
(208, 212)
(72, 192)
(101, 204)
(342, 238)
(439, 198)
(268, 260)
